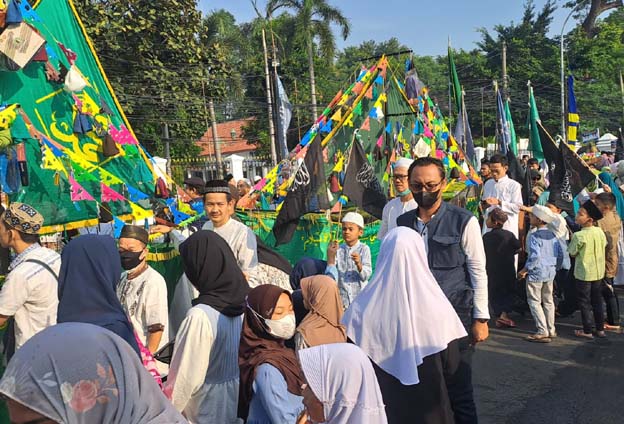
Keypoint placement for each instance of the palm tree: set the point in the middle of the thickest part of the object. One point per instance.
(314, 19)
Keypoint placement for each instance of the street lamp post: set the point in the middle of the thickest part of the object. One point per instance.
(561, 47)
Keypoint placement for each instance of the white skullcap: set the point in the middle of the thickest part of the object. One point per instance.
(354, 218)
(543, 214)
(257, 179)
(403, 163)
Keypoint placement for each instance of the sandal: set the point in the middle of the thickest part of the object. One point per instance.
(615, 328)
(538, 338)
(600, 334)
(503, 322)
(581, 334)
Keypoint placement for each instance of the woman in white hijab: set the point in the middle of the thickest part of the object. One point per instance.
(341, 385)
(76, 373)
(403, 321)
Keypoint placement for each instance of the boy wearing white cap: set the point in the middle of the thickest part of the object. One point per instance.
(350, 264)
(404, 202)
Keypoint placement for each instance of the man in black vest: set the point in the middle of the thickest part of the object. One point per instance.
(457, 260)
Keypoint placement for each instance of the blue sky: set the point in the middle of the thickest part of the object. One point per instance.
(422, 25)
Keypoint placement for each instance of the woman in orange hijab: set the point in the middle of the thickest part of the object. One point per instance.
(322, 324)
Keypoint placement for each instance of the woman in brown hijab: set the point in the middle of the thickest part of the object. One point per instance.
(270, 375)
(322, 324)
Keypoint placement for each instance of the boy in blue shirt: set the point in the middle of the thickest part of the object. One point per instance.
(350, 264)
(545, 257)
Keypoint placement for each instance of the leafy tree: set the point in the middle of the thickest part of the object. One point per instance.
(152, 55)
(590, 10)
(596, 64)
(531, 56)
(313, 20)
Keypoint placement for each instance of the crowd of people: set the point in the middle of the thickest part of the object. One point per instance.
(94, 334)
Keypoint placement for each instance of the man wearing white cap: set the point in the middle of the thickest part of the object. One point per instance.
(350, 264)
(404, 202)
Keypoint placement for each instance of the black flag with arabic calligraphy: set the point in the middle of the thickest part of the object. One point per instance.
(568, 175)
(306, 194)
(361, 185)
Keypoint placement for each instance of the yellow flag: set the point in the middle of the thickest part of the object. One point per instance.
(337, 117)
(108, 178)
(51, 162)
(138, 213)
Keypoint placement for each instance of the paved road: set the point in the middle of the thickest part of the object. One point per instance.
(568, 381)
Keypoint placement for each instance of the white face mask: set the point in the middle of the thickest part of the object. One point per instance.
(284, 328)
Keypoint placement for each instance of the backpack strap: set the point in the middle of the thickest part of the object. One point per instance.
(43, 265)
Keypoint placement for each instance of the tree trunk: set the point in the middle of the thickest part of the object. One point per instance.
(598, 7)
(312, 79)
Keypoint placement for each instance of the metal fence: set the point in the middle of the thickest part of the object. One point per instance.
(206, 167)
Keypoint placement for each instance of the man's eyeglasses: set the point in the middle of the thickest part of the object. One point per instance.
(399, 177)
(430, 187)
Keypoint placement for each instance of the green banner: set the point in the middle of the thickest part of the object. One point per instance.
(52, 111)
(313, 235)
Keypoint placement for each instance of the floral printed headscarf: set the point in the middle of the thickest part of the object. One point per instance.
(78, 373)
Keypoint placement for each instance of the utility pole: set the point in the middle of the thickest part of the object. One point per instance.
(482, 115)
(215, 139)
(269, 98)
(167, 150)
(505, 86)
(207, 121)
(297, 102)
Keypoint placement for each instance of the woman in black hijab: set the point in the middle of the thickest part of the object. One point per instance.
(203, 375)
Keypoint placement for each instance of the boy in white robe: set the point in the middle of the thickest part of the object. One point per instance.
(142, 292)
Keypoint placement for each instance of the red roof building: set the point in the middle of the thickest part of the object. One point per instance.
(231, 139)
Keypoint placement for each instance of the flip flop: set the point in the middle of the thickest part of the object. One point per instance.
(503, 322)
(600, 334)
(538, 339)
(582, 335)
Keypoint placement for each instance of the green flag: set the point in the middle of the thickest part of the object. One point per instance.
(534, 136)
(512, 131)
(457, 91)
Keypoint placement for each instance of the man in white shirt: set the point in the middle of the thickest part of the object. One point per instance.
(218, 205)
(403, 202)
(502, 192)
(30, 291)
(143, 291)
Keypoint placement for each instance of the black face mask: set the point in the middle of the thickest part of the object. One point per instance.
(130, 260)
(426, 199)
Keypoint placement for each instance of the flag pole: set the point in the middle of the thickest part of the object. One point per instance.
(346, 166)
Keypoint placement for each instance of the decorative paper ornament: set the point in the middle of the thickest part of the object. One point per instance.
(138, 213)
(110, 195)
(349, 121)
(78, 192)
(357, 111)
(108, 178)
(357, 88)
(51, 162)
(337, 117)
(118, 225)
(122, 135)
(136, 195)
(366, 124)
